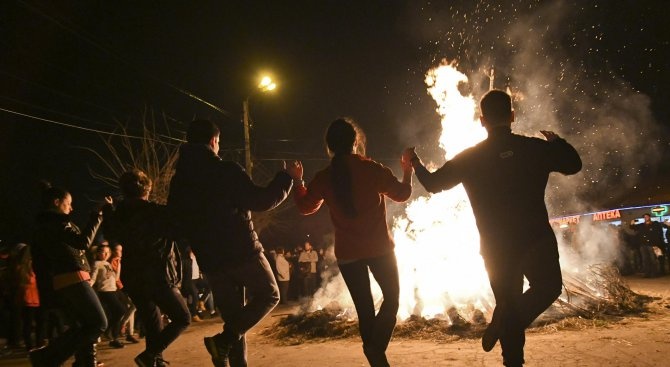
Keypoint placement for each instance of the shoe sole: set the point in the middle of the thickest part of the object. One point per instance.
(210, 345)
(140, 363)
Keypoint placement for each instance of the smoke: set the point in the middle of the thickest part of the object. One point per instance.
(555, 59)
(544, 53)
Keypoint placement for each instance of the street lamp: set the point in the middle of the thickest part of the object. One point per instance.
(266, 85)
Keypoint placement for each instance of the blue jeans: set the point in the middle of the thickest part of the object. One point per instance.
(229, 287)
(376, 330)
(86, 319)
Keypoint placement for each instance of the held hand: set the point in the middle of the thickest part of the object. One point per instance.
(549, 135)
(295, 170)
(408, 154)
(406, 162)
(109, 200)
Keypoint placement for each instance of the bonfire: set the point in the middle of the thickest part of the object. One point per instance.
(445, 294)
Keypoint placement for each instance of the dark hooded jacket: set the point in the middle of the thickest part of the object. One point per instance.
(213, 200)
(151, 257)
(505, 177)
(59, 247)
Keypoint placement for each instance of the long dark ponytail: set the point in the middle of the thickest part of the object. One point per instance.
(344, 137)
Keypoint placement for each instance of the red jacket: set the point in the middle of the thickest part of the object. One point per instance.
(31, 296)
(366, 235)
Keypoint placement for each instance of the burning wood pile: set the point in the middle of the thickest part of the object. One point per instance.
(599, 297)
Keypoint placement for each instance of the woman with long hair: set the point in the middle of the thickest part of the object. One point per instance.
(354, 188)
(152, 268)
(62, 270)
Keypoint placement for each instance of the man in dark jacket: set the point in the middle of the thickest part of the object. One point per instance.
(505, 177)
(212, 199)
(649, 235)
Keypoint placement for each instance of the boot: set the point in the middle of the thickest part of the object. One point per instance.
(86, 357)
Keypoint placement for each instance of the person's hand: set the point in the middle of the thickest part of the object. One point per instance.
(294, 169)
(549, 135)
(408, 154)
(406, 159)
(107, 203)
(632, 222)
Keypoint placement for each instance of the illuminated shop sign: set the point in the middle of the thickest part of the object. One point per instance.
(565, 221)
(607, 215)
(659, 211)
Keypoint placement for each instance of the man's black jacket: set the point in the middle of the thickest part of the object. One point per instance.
(151, 257)
(212, 200)
(505, 178)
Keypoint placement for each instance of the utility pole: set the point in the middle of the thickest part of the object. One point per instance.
(247, 143)
(265, 85)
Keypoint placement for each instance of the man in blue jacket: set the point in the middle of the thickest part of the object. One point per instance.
(212, 200)
(505, 177)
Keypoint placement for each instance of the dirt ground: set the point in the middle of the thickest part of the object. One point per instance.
(642, 340)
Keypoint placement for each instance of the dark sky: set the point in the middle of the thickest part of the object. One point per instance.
(594, 71)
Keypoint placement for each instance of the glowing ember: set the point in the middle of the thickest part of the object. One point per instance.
(437, 241)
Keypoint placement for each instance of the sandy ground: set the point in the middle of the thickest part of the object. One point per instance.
(642, 340)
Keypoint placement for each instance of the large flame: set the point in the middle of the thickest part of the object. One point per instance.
(437, 242)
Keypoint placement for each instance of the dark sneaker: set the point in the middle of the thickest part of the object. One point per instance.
(131, 339)
(218, 349)
(145, 359)
(116, 344)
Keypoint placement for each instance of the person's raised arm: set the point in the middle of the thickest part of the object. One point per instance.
(444, 178)
(250, 196)
(82, 240)
(563, 156)
(308, 201)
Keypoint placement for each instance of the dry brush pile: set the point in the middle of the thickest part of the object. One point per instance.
(596, 299)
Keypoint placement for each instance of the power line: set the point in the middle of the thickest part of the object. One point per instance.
(28, 104)
(90, 129)
(63, 94)
(89, 39)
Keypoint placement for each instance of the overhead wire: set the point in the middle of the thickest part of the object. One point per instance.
(90, 40)
(90, 129)
(62, 94)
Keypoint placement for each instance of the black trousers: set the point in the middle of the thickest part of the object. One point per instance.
(151, 303)
(538, 262)
(114, 310)
(376, 330)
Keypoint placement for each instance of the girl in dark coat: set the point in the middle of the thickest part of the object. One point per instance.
(62, 270)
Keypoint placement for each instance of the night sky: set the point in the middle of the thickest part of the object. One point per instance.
(593, 71)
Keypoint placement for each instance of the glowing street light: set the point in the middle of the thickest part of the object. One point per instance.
(266, 85)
